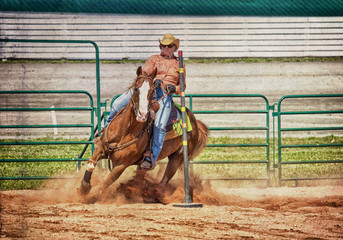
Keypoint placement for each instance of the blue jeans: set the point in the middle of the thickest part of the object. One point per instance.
(161, 118)
(118, 104)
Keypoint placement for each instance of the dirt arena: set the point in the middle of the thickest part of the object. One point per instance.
(144, 210)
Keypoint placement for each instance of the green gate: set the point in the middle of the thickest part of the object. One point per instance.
(282, 147)
(77, 159)
(97, 63)
(91, 108)
(261, 109)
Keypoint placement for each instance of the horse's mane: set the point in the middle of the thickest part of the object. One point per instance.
(134, 82)
(132, 85)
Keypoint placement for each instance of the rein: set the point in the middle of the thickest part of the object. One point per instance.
(124, 145)
(166, 91)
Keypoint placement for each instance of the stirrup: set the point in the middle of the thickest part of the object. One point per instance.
(148, 164)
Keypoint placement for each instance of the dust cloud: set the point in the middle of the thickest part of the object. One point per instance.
(131, 189)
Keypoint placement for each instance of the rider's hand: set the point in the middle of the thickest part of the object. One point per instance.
(170, 88)
(157, 83)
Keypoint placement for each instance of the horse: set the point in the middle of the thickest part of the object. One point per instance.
(126, 138)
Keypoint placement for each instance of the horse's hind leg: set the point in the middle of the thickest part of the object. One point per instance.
(174, 163)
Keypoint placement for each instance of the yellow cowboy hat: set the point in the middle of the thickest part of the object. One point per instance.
(169, 39)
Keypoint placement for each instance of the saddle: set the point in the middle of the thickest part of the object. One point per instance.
(174, 125)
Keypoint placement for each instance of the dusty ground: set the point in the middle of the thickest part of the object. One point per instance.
(131, 210)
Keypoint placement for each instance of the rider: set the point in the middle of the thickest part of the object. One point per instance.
(167, 66)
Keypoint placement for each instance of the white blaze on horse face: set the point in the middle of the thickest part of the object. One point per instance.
(142, 115)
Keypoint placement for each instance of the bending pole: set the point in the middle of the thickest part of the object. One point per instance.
(187, 199)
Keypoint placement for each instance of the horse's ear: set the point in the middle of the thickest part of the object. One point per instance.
(154, 73)
(139, 71)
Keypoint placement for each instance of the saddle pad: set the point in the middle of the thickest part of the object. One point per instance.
(175, 128)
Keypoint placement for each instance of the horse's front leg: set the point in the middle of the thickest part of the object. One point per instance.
(111, 178)
(86, 181)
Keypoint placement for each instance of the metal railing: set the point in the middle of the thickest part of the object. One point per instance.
(265, 111)
(265, 128)
(97, 62)
(78, 158)
(281, 129)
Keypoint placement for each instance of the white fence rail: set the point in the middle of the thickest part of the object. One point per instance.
(135, 36)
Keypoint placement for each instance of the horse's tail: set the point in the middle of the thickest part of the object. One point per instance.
(203, 133)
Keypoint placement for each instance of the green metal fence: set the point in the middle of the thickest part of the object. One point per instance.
(264, 127)
(97, 63)
(282, 146)
(78, 158)
(193, 99)
(93, 110)
(265, 111)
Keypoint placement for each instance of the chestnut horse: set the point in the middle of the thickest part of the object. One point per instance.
(125, 139)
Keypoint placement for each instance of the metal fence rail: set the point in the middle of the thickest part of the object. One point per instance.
(90, 125)
(264, 112)
(282, 146)
(72, 42)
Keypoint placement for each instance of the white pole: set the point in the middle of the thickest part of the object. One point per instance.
(54, 120)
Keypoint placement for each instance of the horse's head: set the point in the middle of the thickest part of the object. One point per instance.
(142, 94)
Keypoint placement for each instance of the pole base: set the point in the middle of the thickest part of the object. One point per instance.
(188, 205)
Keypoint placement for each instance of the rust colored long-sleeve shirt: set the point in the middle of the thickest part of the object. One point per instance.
(167, 70)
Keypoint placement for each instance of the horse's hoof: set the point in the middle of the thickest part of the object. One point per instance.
(85, 187)
(91, 199)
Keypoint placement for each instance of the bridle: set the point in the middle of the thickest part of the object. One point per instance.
(153, 104)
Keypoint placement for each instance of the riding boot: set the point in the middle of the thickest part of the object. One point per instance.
(148, 164)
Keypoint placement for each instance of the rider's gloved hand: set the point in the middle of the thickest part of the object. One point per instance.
(170, 88)
(157, 83)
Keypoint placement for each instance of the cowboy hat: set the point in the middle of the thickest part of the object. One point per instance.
(168, 39)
